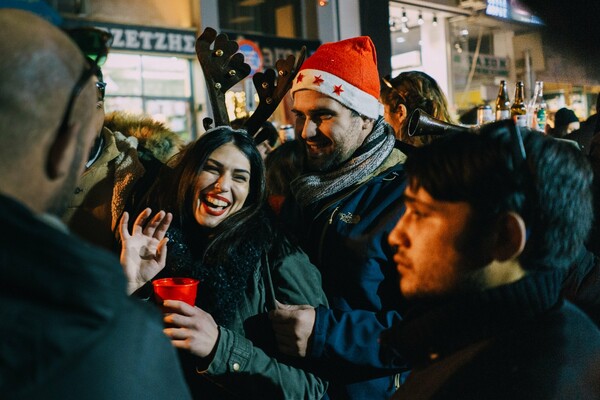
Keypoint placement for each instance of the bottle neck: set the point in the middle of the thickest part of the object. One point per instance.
(519, 94)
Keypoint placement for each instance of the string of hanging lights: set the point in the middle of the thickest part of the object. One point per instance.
(402, 23)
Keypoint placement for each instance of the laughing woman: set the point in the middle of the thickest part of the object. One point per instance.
(223, 235)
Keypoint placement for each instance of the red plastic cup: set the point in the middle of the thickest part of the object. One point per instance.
(183, 289)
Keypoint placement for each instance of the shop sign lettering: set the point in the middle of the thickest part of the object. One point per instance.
(497, 8)
(145, 39)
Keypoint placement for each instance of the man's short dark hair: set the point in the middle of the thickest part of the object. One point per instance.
(551, 190)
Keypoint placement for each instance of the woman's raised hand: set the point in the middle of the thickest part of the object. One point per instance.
(144, 250)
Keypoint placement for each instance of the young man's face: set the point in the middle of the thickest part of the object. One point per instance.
(328, 129)
(426, 240)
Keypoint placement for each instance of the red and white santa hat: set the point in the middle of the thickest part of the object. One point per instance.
(345, 71)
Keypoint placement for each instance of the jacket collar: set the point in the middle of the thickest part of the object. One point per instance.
(447, 326)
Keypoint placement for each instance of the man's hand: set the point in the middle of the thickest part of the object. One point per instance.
(190, 328)
(144, 251)
(293, 326)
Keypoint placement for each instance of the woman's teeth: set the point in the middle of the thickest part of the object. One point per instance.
(214, 202)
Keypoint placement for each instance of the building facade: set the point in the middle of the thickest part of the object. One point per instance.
(468, 46)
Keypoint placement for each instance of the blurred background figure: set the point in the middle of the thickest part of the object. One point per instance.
(565, 122)
(272, 135)
(283, 165)
(407, 92)
(586, 132)
(286, 133)
(126, 147)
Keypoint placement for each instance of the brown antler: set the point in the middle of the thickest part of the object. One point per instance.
(271, 94)
(223, 67)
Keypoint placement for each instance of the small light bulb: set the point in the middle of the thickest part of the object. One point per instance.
(434, 22)
(323, 3)
(420, 20)
(404, 17)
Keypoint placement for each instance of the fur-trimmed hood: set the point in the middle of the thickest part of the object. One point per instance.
(152, 135)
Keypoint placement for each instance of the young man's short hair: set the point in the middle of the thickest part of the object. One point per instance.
(550, 188)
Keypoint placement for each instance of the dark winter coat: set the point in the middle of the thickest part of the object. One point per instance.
(69, 330)
(516, 341)
(246, 363)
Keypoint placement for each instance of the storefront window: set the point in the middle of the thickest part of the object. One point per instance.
(283, 18)
(152, 85)
(418, 42)
(476, 70)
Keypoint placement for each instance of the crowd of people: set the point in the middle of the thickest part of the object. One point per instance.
(353, 262)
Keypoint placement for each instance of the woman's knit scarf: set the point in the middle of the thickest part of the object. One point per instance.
(223, 284)
(310, 188)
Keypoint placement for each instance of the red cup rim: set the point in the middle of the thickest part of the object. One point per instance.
(175, 282)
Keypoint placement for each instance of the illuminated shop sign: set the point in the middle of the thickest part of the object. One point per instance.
(485, 65)
(252, 55)
(511, 10)
(264, 51)
(144, 38)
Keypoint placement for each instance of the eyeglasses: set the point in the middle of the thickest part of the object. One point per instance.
(93, 42)
(90, 70)
(101, 86)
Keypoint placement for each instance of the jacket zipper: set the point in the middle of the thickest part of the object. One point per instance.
(324, 231)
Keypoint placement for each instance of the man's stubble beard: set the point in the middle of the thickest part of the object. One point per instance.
(338, 157)
(331, 164)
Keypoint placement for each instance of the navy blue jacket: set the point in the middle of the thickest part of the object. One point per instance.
(345, 236)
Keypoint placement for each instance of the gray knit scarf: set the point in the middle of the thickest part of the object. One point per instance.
(310, 188)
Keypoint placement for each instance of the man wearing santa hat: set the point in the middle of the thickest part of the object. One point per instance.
(344, 205)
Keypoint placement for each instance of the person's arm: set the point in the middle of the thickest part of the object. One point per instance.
(239, 365)
(346, 336)
(343, 337)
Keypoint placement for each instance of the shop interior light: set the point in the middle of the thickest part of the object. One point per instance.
(404, 27)
(420, 21)
(323, 3)
(434, 21)
(404, 17)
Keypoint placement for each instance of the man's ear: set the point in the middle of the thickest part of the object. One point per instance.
(511, 237)
(59, 157)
